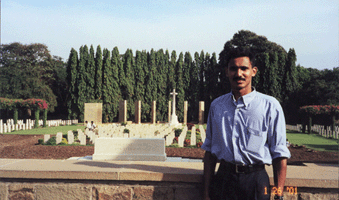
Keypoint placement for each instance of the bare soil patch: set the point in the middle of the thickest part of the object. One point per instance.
(26, 147)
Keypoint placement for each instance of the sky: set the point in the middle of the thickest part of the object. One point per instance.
(311, 27)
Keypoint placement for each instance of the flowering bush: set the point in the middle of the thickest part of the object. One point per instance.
(11, 104)
(199, 144)
(320, 109)
(187, 142)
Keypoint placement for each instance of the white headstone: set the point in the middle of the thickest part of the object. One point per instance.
(58, 137)
(193, 136)
(46, 138)
(70, 137)
(129, 149)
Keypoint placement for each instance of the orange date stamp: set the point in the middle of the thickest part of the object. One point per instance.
(278, 191)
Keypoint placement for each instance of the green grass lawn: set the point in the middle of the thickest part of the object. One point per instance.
(48, 130)
(313, 141)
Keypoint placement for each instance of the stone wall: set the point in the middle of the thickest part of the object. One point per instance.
(95, 190)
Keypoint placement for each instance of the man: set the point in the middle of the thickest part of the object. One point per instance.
(245, 131)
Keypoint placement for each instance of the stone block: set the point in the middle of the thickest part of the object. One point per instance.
(112, 192)
(3, 191)
(62, 191)
(20, 191)
(137, 114)
(133, 149)
(151, 192)
(188, 194)
(93, 112)
(201, 112)
(154, 112)
(122, 111)
(193, 136)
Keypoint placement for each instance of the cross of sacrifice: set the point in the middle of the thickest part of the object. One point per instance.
(173, 105)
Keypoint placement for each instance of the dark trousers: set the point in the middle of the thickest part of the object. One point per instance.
(227, 184)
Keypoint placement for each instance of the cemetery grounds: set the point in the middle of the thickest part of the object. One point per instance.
(304, 148)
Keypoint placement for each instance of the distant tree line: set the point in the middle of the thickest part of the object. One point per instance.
(108, 77)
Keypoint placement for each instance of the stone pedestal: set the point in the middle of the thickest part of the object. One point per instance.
(123, 111)
(137, 114)
(201, 112)
(169, 111)
(130, 149)
(154, 111)
(185, 111)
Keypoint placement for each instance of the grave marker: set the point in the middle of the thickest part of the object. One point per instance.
(46, 138)
(58, 137)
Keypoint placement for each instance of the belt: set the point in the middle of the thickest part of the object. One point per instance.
(242, 169)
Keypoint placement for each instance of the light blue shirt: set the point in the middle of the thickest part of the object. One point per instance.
(251, 130)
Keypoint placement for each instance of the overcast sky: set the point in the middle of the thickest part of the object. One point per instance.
(311, 27)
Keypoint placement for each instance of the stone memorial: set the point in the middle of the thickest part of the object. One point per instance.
(174, 117)
(201, 112)
(185, 111)
(93, 112)
(137, 115)
(154, 112)
(123, 111)
(202, 133)
(130, 149)
(169, 111)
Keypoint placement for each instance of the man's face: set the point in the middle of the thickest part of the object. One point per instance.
(240, 72)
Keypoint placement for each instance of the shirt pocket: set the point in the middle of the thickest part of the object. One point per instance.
(255, 140)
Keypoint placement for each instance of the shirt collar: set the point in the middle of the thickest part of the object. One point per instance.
(246, 98)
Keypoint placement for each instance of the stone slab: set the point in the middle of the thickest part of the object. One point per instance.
(130, 149)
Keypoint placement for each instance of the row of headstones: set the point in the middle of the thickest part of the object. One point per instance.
(134, 130)
(326, 131)
(297, 127)
(70, 137)
(137, 114)
(10, 126)
(149, 131)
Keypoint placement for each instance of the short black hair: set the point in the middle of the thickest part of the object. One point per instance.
(240, 52)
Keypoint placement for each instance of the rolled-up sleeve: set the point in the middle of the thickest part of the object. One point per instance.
(277, 133)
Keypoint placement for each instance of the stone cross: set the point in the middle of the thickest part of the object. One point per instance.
(174, 118)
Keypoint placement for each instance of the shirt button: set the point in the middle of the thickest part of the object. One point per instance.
(236, 123)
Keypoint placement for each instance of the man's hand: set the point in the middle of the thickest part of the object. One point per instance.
(279, 171)
(210, 162)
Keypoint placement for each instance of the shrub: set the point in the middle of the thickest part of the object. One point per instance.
(174, 145)
(156, 133)
(41, 141)
(199, 144)
(51, 141)
(177, 132)
(187, 142)
(63, 141)
(123, 123)
(126, 130)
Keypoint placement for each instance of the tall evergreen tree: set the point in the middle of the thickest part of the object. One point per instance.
(180, 87)
(90, 71)
(161, 79)
(140, 81)
(128, 63)
(202, 76)
(151, 85)
(116, 92)
(72, 84)
(107, 83)
(81, 81)
(98, 73)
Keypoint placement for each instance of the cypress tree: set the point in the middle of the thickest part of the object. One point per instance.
(180, 87)
(161, 79)
(107, 82)
(98, 73)
(139, 69)
(72, 84)
(151, 87)
(129, 82)
(90, 69)
(81, 82)
(202, 76)
(195, 88)
(144, 107)
(274, 88)
(186, 80)
(116, 92)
